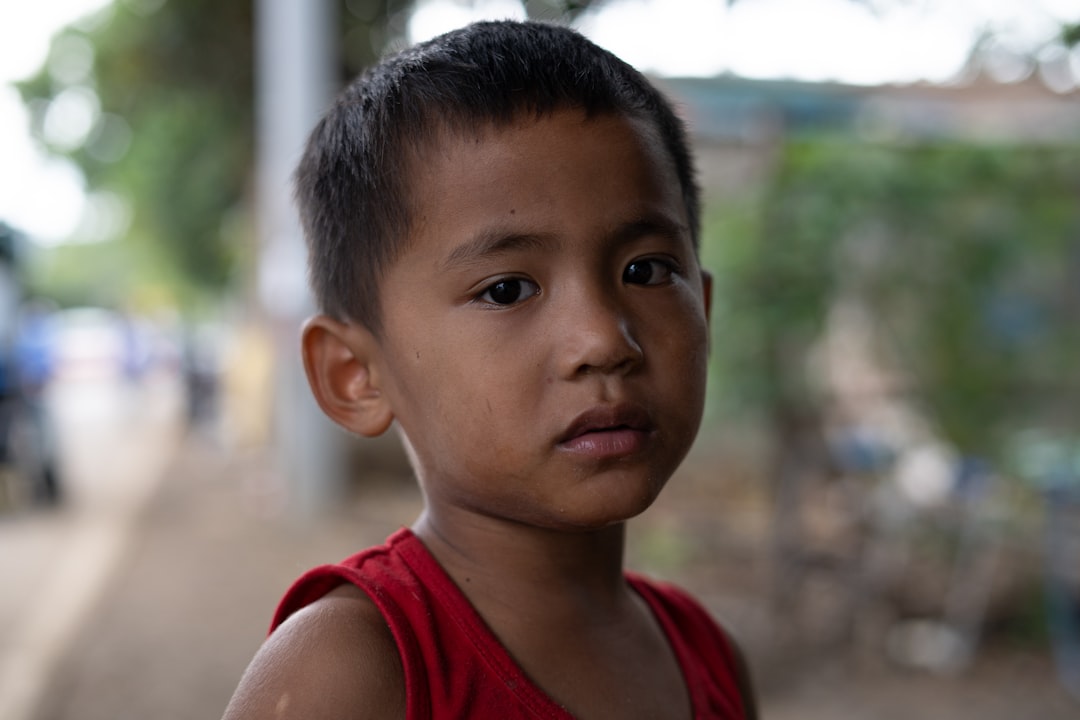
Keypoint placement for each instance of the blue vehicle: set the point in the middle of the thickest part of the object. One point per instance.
(28, 466)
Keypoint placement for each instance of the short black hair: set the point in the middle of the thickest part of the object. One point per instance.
(352, 184)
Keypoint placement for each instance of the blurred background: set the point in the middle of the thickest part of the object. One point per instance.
(884, 501)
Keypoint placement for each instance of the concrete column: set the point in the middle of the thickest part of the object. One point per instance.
(296, 77)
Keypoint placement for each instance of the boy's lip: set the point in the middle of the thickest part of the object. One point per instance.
(608, 418)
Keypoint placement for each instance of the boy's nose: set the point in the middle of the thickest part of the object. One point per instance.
(598, 338)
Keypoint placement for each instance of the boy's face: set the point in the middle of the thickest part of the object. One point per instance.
(545, 329)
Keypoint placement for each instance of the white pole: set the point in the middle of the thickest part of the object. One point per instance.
(296, 76)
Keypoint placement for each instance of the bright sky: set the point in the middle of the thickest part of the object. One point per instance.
(39, 194)
(870, 42)
(864, 43)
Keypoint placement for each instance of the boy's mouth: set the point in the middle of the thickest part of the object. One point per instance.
(630, 420)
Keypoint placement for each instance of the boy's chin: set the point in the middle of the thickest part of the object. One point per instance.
(600, 516)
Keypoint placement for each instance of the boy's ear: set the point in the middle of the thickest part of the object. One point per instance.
(340, 360)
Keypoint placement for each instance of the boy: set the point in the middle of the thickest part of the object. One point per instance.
(502, 226)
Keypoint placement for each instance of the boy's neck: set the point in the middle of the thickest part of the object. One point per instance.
(558, 603)
(496, 562)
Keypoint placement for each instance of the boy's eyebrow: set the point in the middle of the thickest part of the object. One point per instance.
(494, 242)
(652, 224)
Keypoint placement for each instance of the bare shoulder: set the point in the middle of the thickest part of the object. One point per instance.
(334, 659)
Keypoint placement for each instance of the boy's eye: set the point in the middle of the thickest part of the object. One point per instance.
(649, 271)
(509, 291)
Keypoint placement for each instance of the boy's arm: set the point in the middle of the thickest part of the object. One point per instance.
(334, 659)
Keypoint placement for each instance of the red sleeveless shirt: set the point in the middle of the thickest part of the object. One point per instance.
(456, 668)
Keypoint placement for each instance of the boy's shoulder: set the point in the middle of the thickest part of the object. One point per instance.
(332, 659)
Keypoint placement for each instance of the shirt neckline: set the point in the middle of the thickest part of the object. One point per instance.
(498, 658)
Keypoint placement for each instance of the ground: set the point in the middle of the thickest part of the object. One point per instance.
(210, 554)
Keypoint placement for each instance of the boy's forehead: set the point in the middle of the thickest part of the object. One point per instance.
(444, 136)
(498, 179)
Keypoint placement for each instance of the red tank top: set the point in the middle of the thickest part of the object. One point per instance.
(456, 668)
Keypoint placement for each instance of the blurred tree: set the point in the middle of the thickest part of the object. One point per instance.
(967, 257)
(1070, 34)
(179, 77)
(174, 137)
(966, 261)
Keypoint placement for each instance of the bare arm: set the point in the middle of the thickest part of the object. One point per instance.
(334, 659)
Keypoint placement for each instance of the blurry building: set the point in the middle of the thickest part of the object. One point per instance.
(736, 122)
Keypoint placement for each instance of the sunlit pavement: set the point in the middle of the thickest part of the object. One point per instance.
(115, 437)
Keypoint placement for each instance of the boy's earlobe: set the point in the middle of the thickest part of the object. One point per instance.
(340, 362)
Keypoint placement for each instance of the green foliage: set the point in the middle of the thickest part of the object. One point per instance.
(180, 74)
(181, 79)
(968, 258)
(1070, 34)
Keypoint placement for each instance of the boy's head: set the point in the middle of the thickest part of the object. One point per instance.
(355, 184)
(504, 224)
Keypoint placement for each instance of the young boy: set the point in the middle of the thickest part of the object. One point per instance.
(502, 227)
